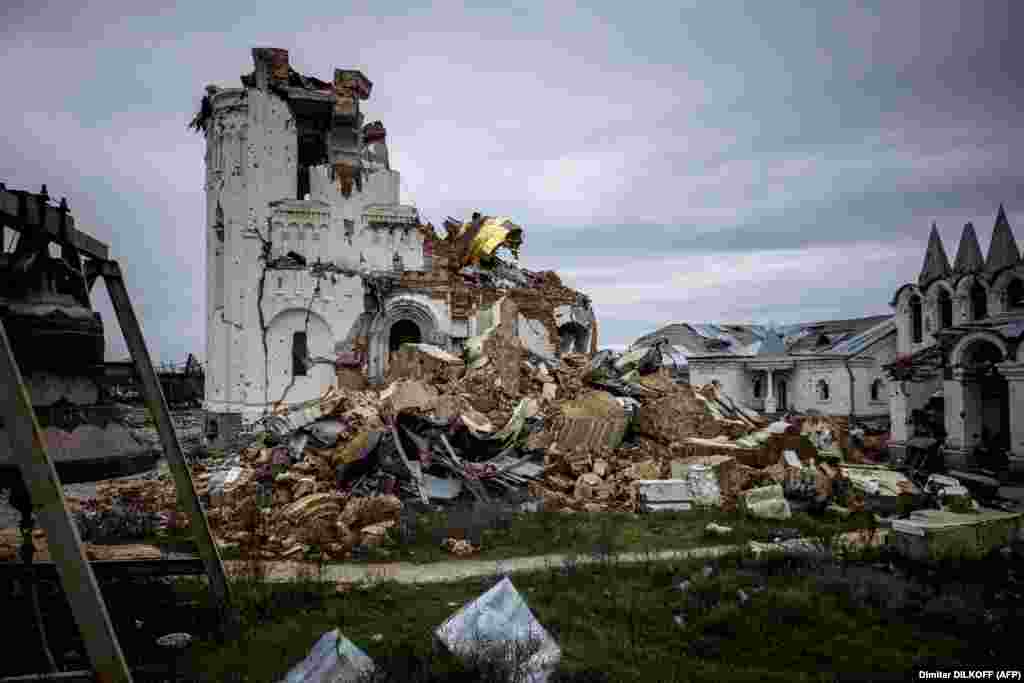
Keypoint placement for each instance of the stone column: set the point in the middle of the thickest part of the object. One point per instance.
(898, 413)
(770, 405)
(953, 400)
(1014, 374)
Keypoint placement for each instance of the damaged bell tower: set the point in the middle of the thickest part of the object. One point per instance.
(316, 271)
(290, 170)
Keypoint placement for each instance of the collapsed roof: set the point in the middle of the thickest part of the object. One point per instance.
(830, 337)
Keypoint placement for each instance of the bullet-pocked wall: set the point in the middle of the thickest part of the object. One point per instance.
(311, 258)
(275, 259)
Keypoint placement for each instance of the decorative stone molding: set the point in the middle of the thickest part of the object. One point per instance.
(380, 330)
(956, 357)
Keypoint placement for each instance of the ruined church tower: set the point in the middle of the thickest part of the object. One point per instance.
(300, 200)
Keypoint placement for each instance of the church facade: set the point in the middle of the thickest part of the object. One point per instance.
(959, 331)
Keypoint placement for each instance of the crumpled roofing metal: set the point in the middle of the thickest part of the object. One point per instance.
(493, 233)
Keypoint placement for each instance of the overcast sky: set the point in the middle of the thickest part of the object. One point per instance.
(705, 161)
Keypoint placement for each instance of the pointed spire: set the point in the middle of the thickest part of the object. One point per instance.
(968, 254)
(1002, 251)
(936, 263)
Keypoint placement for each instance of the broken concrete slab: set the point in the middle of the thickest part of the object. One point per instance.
(499, 626)
(424, 362)
(940, 534)
(594, 422)
(332, 659)
(882, 487)
(766, 502)
(664, 494)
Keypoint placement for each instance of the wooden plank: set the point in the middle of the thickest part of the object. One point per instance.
(111, 568)
(157, 404)
(48, 220)
(77, 579)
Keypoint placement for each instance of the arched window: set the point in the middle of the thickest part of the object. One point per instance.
(945, 302)
(916, 326)
(876, 390)
(979, 302)
(823, 392)
(1015, 293)
(757, 387)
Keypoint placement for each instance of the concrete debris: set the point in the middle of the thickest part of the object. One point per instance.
(718, 529)
(939, 534)
(333, 659)
(499, 626)
(459, 547)
(425, 363)
(766, 502)
(583, 433)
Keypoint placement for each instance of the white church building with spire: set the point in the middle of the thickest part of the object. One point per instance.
(959, 333)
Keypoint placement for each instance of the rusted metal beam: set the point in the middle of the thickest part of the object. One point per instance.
(24, 212)
(79, 582)
(157, 404)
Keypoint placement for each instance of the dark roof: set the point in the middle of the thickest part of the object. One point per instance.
(760, 340)
(1002, 251)
(936, 263)
(834, 331)
(968, 254)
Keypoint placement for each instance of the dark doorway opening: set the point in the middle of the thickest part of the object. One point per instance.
(979, 302)
(403, 332)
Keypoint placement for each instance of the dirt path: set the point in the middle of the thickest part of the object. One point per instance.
(455, 570)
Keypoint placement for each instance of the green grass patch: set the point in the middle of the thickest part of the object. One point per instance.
(774, 618)
(502, 534)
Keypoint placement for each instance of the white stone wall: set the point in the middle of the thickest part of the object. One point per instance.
(284, 385)
(906, 397)
(730, 374)
(803, 387)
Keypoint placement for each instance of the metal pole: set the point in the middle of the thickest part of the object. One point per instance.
(76, 576)
(157, 405)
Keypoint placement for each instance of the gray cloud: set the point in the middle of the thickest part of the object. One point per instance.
(715, 140)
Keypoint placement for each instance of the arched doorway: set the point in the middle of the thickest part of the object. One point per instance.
(404, 331)
(782, 402)
(394, 326)
(988, 415)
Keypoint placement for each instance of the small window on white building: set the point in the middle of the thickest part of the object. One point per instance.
(350, 228)
(300, 353)
(876, 390)
(758, 387)
(823, 390)
(280, 283)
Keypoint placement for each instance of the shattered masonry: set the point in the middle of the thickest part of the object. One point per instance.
(317, 272)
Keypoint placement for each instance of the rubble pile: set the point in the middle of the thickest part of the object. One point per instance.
(583, 433)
